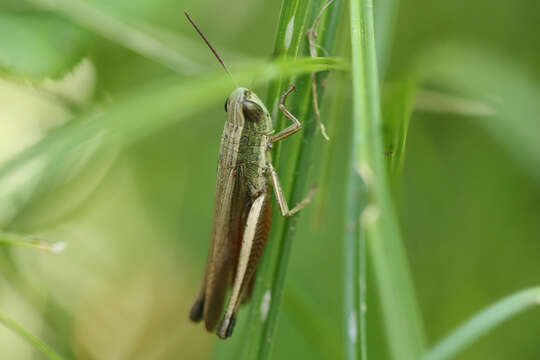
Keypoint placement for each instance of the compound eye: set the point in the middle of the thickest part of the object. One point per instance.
(251, 110)
(226, 105)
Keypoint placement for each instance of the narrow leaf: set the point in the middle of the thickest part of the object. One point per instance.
(31, 242)
(378, 219)
(482, 323)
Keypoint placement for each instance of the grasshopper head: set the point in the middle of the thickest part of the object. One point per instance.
(244, 108)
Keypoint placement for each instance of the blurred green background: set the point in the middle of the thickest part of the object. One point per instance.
(137, 219)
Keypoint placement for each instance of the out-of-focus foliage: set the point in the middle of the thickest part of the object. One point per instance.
(137, 221)
(39, 44)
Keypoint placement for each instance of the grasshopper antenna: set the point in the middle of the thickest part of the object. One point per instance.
(209, 45)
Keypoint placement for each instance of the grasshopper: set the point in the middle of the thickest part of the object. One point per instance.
(243, 210)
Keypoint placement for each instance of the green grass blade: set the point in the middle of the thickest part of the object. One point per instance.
(483, 322)
(38, 344)
(290, 33)
(288, 38)
(55, 316)
(378, 219)
(354, 264)
(356, 343)
(31, 242)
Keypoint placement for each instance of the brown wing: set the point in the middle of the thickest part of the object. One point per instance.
(228, 227)
(221, 260)
(263, 230)
(219, 264)
(253, 241)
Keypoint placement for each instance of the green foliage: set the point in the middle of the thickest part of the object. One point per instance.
(30, 242)
(397, 106)
(483, 322)
(44, 349)
(147, 42)
(38, 45)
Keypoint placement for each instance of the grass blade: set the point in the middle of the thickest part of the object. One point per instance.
(378, 220)
(288, 38)
(31, 242)
(356, 344)
(483, 322)
(38, 344)
(354, 266)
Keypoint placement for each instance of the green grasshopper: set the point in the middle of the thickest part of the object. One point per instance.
(243, 210)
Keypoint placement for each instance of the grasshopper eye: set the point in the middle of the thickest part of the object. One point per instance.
(251, 110)
(226, 104)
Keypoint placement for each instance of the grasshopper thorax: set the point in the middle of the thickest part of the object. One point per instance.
(244, 108)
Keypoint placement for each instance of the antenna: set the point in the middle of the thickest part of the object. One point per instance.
(208, 43)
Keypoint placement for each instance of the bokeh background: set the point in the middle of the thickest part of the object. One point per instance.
(137, 219)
